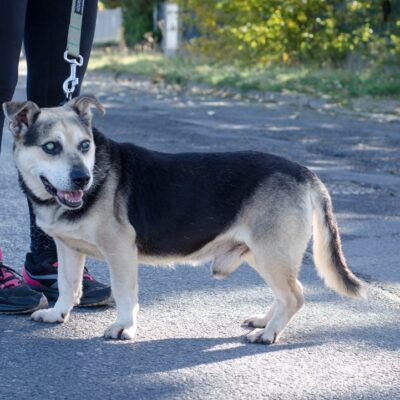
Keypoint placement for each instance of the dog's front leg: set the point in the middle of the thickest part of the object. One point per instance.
(70, 271)
(124, 284)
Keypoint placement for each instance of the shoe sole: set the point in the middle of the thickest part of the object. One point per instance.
(106, 302)
(43, 303)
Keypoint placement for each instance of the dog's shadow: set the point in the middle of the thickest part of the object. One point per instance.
(173, 354)
(141, 356)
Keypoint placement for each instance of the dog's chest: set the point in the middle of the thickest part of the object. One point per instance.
(47, 218)
(82, 246)
(76, 235)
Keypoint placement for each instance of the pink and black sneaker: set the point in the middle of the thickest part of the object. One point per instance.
(42, 277)
(16, 297)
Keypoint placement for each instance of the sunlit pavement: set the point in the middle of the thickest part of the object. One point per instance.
(189, 343)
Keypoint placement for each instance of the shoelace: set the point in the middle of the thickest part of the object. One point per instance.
(86, 275)
(8, 277)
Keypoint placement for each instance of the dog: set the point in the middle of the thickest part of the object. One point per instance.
(127, 205)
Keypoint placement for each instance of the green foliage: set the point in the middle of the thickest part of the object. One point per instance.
(137, 17)
(260, 31)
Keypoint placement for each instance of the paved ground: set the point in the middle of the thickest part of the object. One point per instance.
(189, 338)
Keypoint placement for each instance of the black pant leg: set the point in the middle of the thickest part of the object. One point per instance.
(12, 23)
(46, 33)
(45, 41)
(42, 246)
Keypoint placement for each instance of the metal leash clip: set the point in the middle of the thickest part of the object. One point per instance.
(72, 81)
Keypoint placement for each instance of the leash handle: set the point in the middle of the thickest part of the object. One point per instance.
(71, 54)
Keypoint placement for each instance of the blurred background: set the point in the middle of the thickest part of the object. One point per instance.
(331, 48)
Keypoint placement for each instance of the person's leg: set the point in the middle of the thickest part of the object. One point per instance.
(46, 32)
(15, 296)
(12, 22)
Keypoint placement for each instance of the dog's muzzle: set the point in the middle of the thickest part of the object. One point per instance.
(70, 199)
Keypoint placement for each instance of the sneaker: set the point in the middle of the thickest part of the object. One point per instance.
(43, 278)
(16, 297)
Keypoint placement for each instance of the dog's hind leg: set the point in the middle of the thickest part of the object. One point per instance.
(279, 222)
(123, 262)
(282, 279)
(70, 271)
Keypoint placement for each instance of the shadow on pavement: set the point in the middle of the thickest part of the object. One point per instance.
(149, 356)
(173, 354)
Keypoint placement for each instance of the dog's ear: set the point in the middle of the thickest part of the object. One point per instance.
(20, 116)
(82, 105)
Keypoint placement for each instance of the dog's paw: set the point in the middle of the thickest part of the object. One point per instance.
(119, 332)
(51, 316)
(262, 336)
(256, 321)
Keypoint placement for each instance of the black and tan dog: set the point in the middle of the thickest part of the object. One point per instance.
(125, 204)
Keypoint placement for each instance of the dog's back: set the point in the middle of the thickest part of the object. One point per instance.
(178, 203)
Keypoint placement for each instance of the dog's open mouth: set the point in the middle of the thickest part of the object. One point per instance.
(70, 199)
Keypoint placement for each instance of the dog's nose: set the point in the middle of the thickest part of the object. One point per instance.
(80, 178)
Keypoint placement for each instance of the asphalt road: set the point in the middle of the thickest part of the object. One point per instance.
(189, 343)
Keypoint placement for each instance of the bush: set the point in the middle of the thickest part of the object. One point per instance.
(137, 18)
(260, 31)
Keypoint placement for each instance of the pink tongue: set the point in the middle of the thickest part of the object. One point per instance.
(73, 197)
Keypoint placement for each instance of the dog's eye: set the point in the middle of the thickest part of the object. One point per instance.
(52, 148)
(84, 146)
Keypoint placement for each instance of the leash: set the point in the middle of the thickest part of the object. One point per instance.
(71, 54)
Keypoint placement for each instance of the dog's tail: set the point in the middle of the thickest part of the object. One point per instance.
(328, 255)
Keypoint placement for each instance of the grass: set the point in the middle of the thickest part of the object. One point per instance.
(337, 83)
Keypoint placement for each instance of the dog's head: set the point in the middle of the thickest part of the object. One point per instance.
(54, 149)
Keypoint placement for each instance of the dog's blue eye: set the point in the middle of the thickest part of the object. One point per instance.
(84, 146)
(51, 148)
